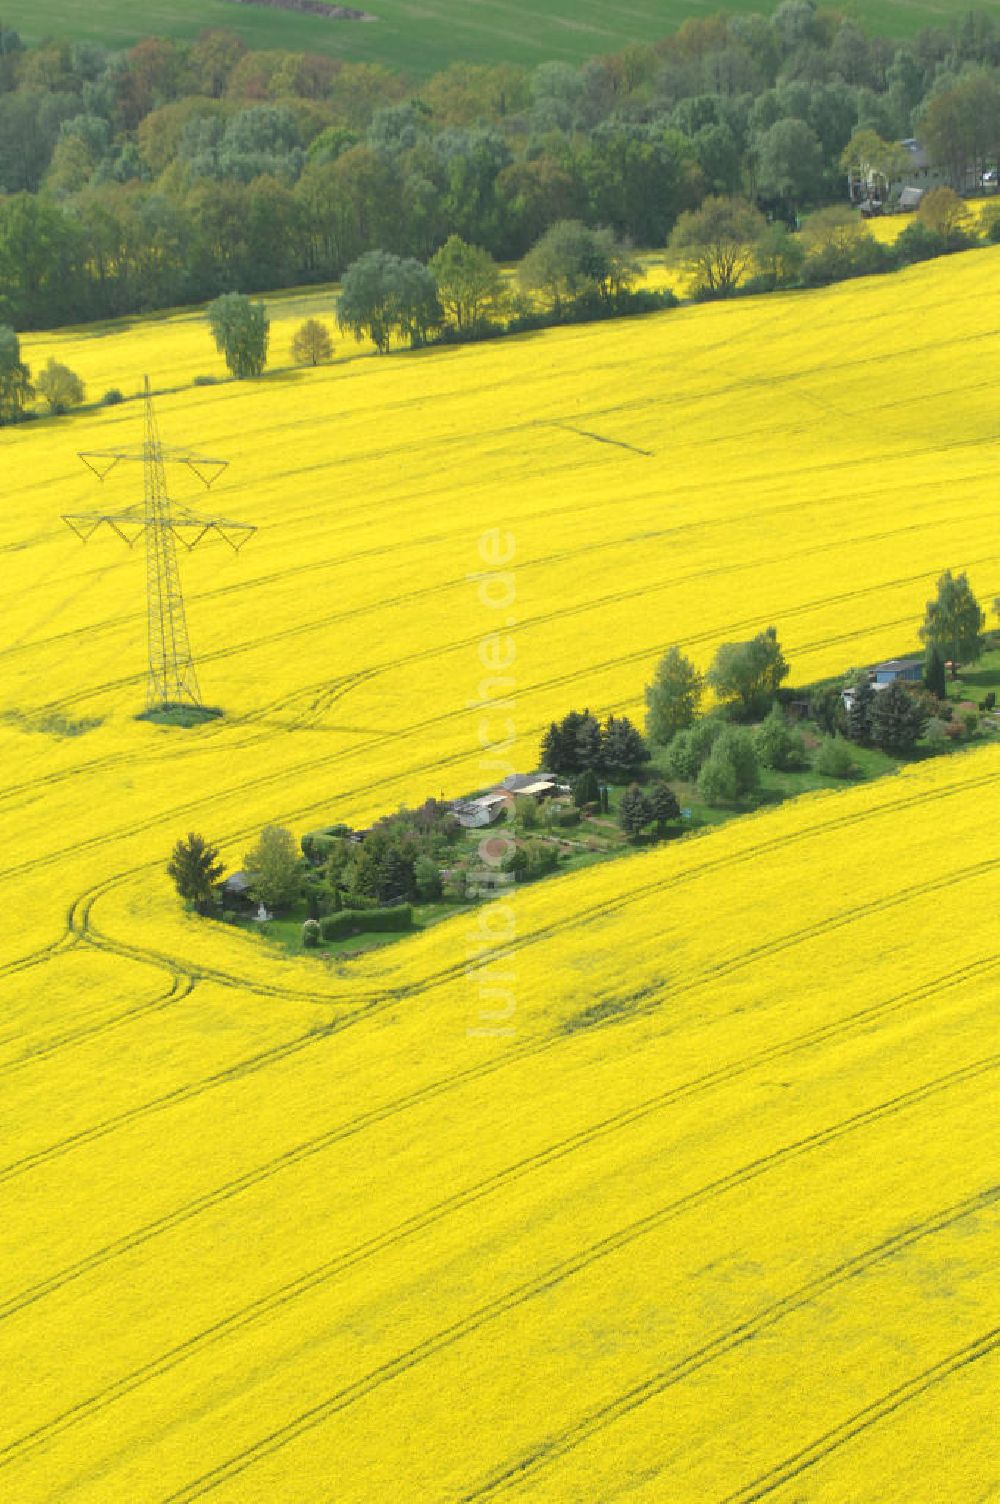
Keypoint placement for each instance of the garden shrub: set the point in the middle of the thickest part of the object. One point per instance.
(427, 876)
(834, 759)
(689, 749)
(542, 859)
(936, 733)
(112, 397)
(731, 768)
(316, 847)
(311, 933)
(777, 745)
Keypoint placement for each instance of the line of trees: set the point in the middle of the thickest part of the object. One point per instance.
(57, 386)
(727, 245)
(399, 860)
(572, 273)
(722, 757)
(173, 172)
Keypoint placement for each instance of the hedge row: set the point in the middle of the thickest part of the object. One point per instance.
(353, 921)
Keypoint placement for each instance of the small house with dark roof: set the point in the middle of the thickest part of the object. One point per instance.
(235, 891)
(898, 671)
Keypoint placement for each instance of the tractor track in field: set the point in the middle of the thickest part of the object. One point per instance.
(344, 683)
(80, 929)
(980, 968)
(320, 1275)
(386, 995)
(553, 1447)
(862, 1420)
(362, 748)
(325, 566)
(80, 919)
(308, 1148)
(305, 628)
(556, 1275)
(180, 987)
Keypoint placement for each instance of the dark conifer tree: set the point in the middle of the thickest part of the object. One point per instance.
(934, 675)
(859, 716)
(195, 868)
(897, 719)
(664, 806)
(634, 811)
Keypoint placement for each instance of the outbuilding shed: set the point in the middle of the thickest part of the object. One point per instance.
(898, 671)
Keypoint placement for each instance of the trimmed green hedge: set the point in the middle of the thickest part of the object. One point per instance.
(354, 921)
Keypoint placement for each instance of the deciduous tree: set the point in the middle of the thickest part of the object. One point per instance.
(746, 675)
(470, 285)
(571, 260)
(240, 329)
(942, 211)
(777, 745)
(673, 698)
(789, 162)
(954, 621)
(717, 242)
(59, 387)
(15, 378)
(384, 295)
(311, 343)
(731, 769)
(272, 866)
(875, 161)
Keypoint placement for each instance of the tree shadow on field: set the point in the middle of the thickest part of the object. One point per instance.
(287, 373)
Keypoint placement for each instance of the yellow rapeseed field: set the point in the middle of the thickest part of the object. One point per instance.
(670, 1180)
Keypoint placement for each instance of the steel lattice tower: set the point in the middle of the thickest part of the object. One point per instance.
(172, 679)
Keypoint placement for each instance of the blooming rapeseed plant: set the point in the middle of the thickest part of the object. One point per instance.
(719, 1214)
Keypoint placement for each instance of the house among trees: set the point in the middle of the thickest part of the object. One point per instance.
(904, 179)
(488, 808)
(897, 671)
(471, 814)
(235, 891)
(892, 671)
(535, 785)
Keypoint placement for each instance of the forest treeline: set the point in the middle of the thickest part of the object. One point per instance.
(174, 171)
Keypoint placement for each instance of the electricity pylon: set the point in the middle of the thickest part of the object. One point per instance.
(172, 679)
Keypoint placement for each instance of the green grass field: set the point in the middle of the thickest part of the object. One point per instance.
(422, 36)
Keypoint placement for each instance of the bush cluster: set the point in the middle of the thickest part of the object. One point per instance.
(351, 921)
